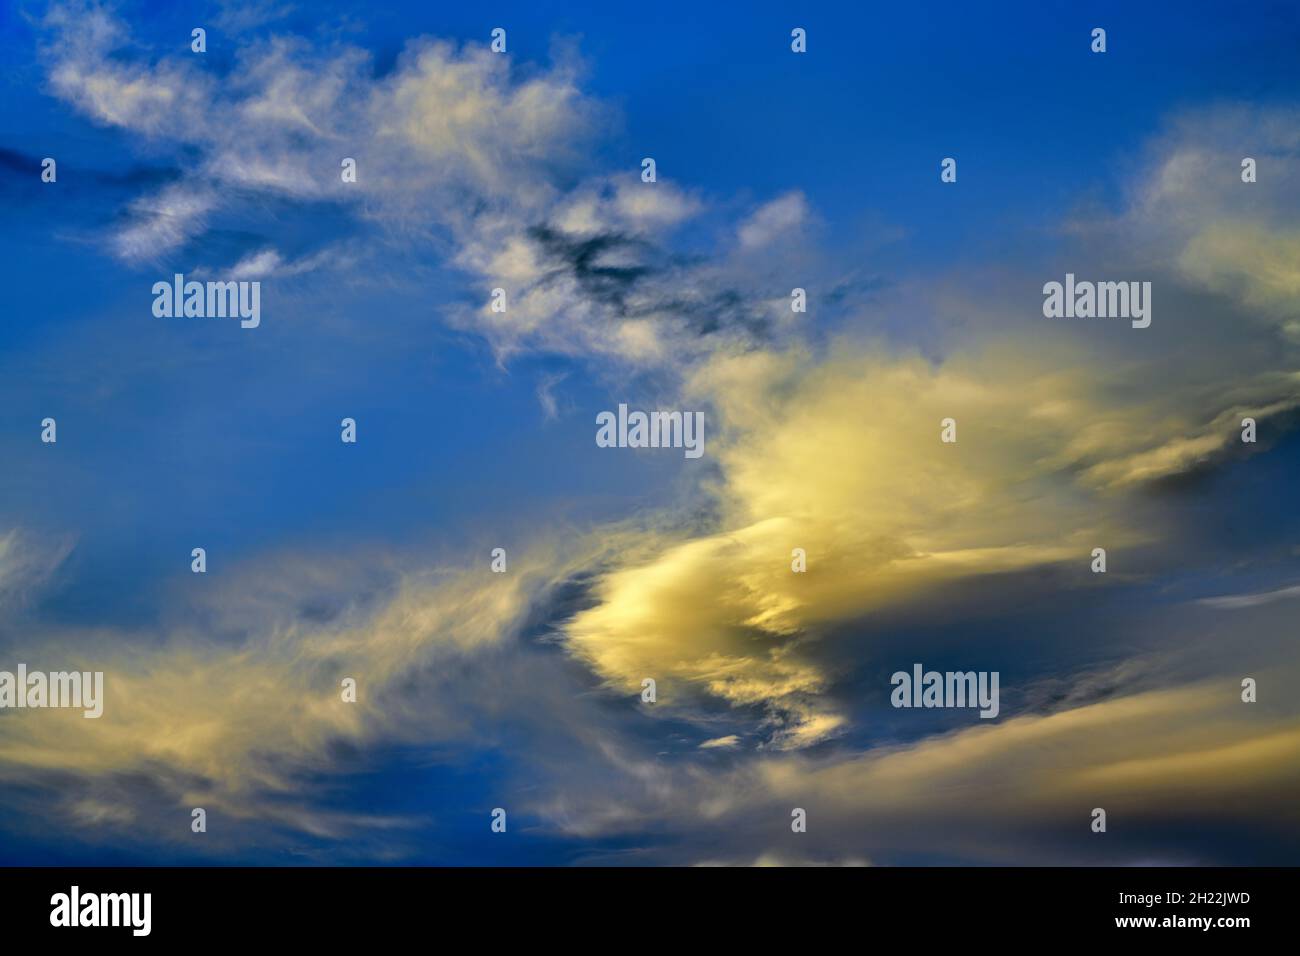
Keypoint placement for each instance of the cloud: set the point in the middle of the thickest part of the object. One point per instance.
(26, 564)
(268, 262)
(461, 114)
(843, 459)
(775, 859)
(652, 208)
(1018, 791)
(546, 396)
(1235, 601)
(236, 727)
(444, 133)
(774, 219)
(236, 16)
(453, 145)
(831, 445)
(1251, 261)
(1131, 756)
(838, 452)
(162, 223)
(163, 100)
(1192, 208)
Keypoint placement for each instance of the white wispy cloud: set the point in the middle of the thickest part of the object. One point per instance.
(163, 222)
(26, 564)
(780, 217)
(1234, 601)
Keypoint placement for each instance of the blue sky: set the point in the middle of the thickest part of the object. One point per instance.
(775, 170)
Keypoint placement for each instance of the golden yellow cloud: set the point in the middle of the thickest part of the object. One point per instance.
(844, 460)
(246, 719)
(1196, 751)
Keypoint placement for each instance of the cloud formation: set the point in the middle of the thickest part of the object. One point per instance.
(824, 436)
